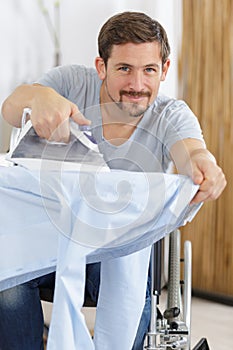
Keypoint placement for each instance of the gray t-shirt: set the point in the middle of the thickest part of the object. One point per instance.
(148, 149)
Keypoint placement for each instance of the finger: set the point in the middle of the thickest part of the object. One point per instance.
(61, 133)
(79, 118)
(196, 174)
(201, 196)
(197, 177)
(210, 190)
(41, 128)
(43, 133)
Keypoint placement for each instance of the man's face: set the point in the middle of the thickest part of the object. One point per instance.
(132, 77)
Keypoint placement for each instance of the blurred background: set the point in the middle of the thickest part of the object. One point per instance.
(37, 35)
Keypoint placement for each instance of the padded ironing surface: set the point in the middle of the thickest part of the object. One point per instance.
(112, 213)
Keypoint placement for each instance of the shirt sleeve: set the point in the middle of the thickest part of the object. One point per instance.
(179, 123)
(53, 78)
(64, 79)
(74, 82)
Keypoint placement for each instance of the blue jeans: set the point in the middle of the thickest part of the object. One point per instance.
(21, 315)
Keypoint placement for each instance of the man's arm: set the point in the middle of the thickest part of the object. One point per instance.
(193, 159)
(50, 111)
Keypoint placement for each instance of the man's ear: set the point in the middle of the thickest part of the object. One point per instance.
(100, 67)
(165, 69)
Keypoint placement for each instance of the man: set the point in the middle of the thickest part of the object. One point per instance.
(136, 129)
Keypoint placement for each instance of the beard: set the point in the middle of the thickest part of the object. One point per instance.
(133, 109)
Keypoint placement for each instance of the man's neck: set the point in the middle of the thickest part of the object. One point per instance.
(117, 128)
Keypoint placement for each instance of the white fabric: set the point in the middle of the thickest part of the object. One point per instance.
(113, 213)
(66, 219)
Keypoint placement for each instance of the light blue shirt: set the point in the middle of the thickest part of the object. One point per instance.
(113, 214)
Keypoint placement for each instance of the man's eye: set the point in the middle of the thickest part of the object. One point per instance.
(124, 69)
(150, 70)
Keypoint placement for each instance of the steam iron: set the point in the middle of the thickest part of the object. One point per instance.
(33, 152)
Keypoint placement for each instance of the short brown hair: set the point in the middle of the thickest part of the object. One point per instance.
(131, 27)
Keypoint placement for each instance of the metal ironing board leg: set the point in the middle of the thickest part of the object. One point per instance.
(172, 329)
(155, 291)
(167, 330)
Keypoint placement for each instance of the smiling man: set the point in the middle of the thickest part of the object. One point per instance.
(136, 129)
(130, 79)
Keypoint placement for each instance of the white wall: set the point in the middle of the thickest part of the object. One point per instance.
(27, 49)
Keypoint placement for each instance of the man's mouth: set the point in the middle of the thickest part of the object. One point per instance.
(135, 94)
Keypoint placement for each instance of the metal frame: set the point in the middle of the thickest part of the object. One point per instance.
(172, 328)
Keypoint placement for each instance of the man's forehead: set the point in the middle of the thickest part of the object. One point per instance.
(130, 53)
(130, 45)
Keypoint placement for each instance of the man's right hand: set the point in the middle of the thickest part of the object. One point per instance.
(50, 112)
(50, 115)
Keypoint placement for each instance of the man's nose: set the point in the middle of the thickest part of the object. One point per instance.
(136, 80)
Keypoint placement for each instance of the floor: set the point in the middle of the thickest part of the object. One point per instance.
(211, 320)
